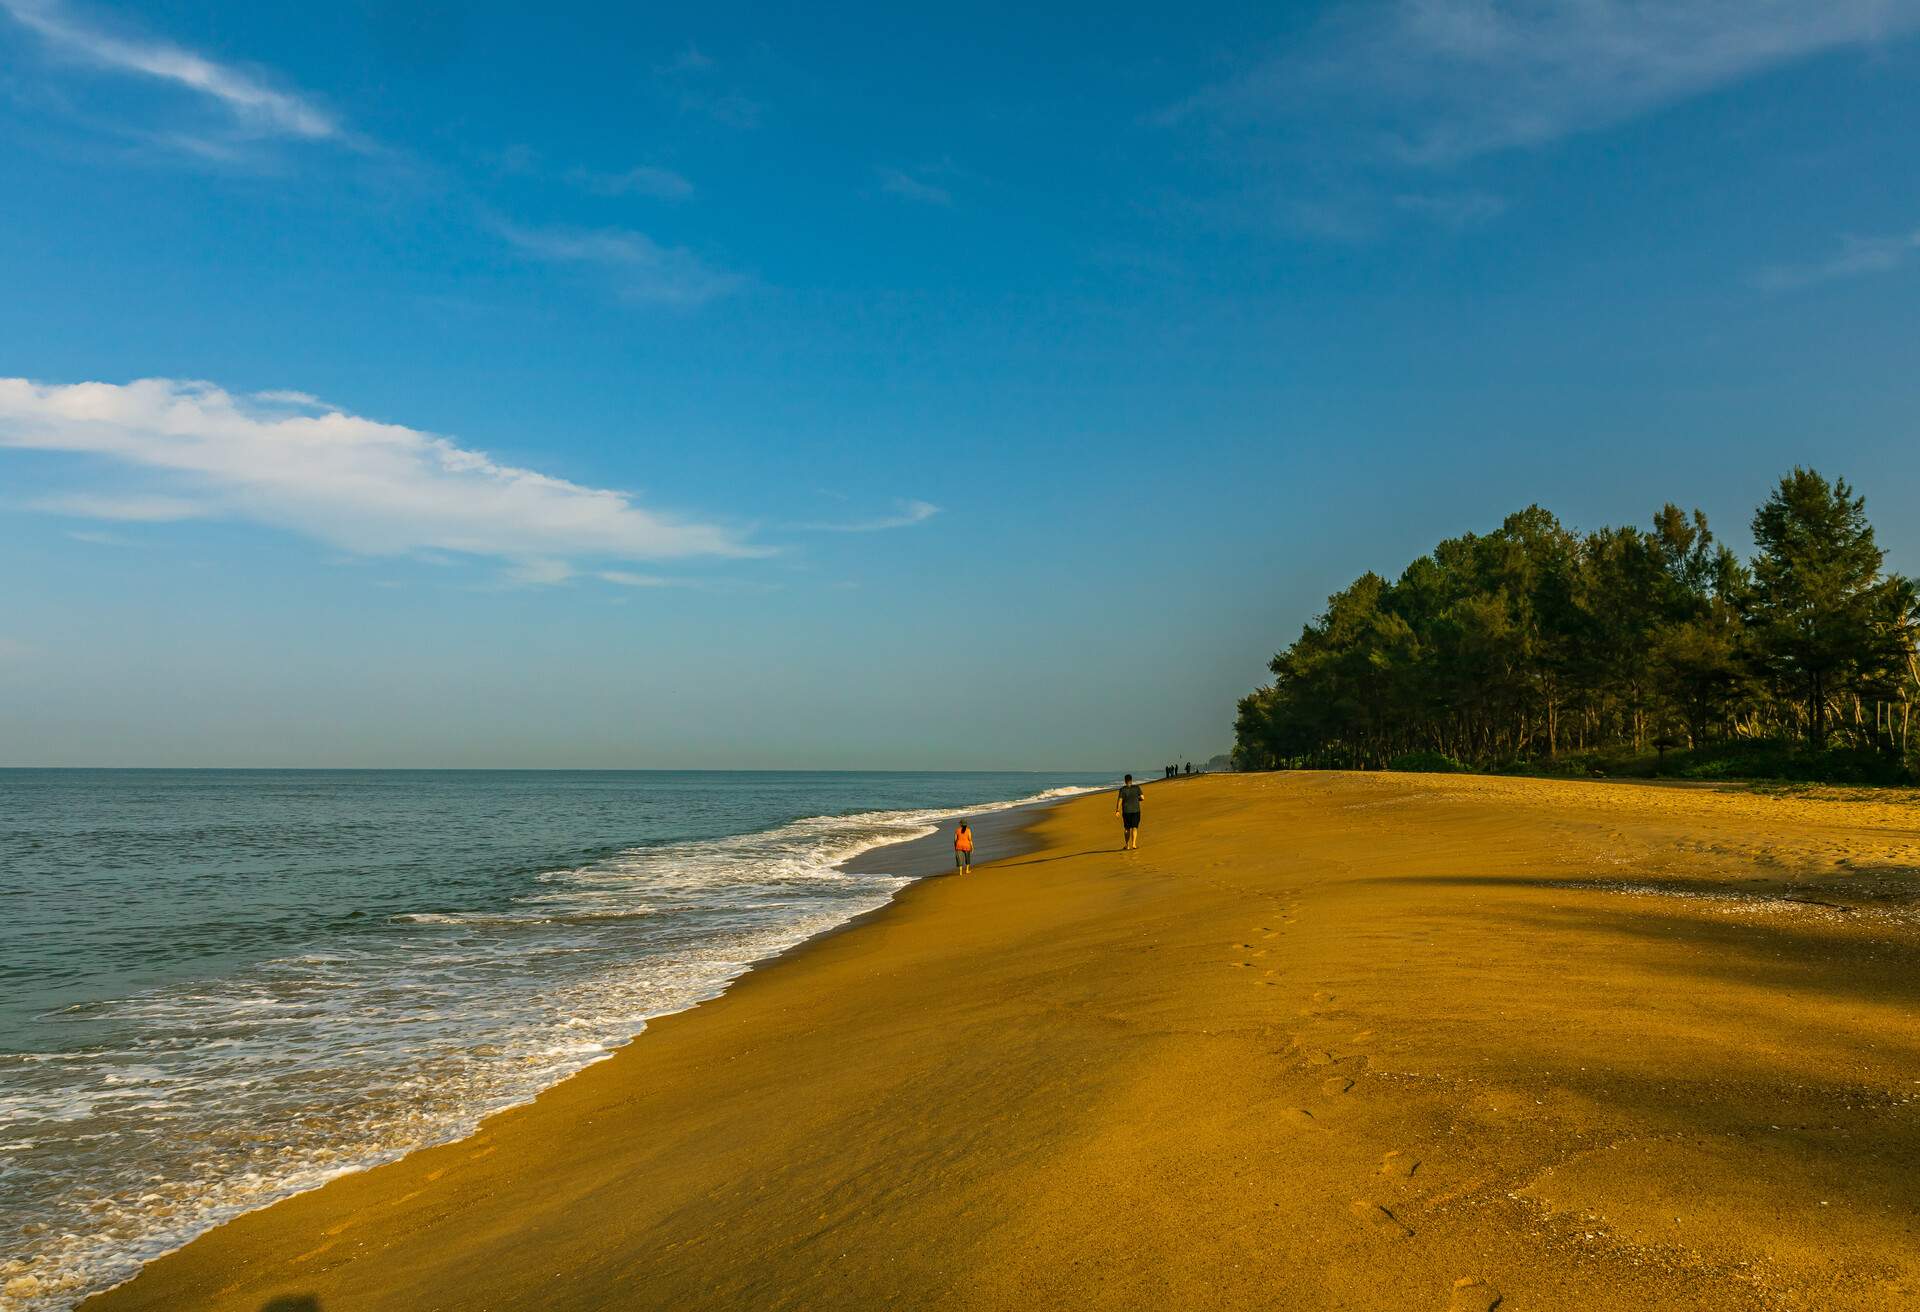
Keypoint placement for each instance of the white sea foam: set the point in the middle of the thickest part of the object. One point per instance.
(235, 1092)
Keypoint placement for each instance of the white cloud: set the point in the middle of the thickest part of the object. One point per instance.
(898, 182)
(1443, 81)
(12, 649)
(255, 106)
(641, 268)
(909, 513)
(643, 180)
(628, 579)
(1858, 257)
(369, 487)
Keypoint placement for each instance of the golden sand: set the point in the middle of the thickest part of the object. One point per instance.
(1326, 1041)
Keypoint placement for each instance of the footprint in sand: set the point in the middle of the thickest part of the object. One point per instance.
(1321, 1057)
(1297, 1118)
(1378, 1219)
(1361, 1037)
(1323, 996)
(1399, 1165)
(1472, 1294)
(1338, 1084)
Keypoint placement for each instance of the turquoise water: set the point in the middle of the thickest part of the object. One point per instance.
(219, 987)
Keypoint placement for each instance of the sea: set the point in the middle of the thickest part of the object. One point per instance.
(221, 987)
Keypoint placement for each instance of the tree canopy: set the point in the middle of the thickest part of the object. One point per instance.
(1535, 640)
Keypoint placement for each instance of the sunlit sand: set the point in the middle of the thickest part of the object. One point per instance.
(1326, 1041)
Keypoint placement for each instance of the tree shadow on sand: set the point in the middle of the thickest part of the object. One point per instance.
(1755, 1061)
(1792, 936)
(291, 1303)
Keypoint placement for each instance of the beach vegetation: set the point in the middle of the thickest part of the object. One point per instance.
(1652, 652)
(1427, 763)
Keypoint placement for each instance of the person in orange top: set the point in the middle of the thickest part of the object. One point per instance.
(963, 849)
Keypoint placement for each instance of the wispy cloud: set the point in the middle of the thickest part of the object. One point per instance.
(898, 182)
(540, 573)
(13, 649)
(547, 573)
(689, 76)
(1456, 210)
(638, 267)
(369, 487)
(255, 107)
(687, 60)
(302, 400)
(628, 579)
(644, 180)
(1438, 82)
(133, 508)
(1858, 257)
(733, 109)
(906, 515)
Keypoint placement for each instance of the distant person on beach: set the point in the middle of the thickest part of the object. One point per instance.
(963, 849)
(1127, 807)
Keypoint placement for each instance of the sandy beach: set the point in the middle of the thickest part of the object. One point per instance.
(1327, 1041)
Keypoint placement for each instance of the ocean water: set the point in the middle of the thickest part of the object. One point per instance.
(221, 987)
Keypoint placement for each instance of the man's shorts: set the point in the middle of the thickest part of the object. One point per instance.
(962, 858)
(1130, 819)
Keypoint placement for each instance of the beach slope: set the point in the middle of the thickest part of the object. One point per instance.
(1326, 1041)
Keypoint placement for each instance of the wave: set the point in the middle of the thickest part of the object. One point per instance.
(229, 1094)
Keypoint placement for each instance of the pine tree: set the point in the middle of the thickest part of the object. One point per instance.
(1826, 616)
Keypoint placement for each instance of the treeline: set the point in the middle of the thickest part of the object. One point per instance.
(1535, 643)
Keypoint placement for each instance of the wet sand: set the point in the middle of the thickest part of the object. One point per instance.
(1326, 1041)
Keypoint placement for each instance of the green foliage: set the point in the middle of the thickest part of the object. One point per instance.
(1774, 759)
(1824, 615)
(1621, 651)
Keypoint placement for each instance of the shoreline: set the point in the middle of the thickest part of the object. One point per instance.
(912, 859)
(1298, 1051)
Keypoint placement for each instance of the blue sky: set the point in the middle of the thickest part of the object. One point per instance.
(471, 385)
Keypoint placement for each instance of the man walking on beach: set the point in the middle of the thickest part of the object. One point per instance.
(1127, 807)
(963, 849)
